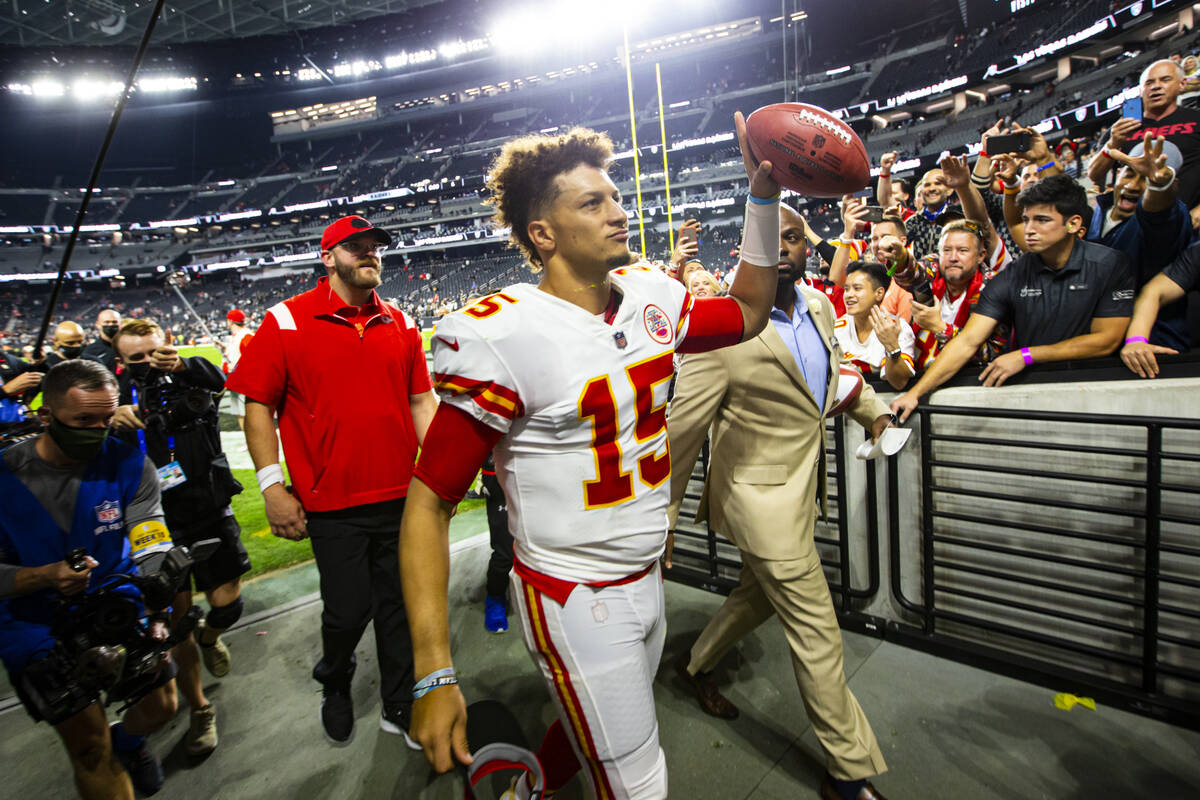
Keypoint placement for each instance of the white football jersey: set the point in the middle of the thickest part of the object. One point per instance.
(584, 461)
(237, 345)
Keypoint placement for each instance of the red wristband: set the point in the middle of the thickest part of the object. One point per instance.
(885, 174)
(1132, 339)
(984, 154)
(1026, 355)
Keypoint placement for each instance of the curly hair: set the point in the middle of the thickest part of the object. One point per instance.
(521, 179)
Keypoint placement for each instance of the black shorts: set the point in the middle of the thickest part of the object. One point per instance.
(166, 673)
(228, 562)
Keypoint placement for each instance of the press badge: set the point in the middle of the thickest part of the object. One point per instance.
(171, 476)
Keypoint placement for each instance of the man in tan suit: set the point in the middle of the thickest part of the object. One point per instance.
(766, 400)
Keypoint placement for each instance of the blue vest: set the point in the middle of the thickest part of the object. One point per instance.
(29, 536)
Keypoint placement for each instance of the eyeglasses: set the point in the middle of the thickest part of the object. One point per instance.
(360, 247)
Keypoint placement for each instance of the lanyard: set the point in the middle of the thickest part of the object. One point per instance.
(141, 434)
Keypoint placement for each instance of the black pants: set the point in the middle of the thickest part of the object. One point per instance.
(357, 553)
(501, 561)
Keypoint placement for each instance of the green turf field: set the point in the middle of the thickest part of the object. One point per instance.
(269, 553)
(207, 350)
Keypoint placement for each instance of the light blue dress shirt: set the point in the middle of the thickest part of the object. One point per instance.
(803, 341)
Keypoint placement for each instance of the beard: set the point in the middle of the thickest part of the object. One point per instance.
(789, 273)
(350, 274)
(620, 259)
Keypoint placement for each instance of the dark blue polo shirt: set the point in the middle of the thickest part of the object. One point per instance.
(1047, 306)
(1185, 270)
(1151, 241)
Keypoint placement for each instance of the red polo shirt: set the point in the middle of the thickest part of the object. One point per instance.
(340, 378)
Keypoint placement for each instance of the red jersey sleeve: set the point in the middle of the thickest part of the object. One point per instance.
(261, 371)
(456, 446)
(709, 323)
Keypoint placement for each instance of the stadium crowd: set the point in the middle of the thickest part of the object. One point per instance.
(1029, 252)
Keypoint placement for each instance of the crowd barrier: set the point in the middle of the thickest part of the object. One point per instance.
(1025, 530)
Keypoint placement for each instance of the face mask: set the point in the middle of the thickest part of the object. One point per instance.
(71, 351)
(110, 330)
(139, 370)
(79, 444)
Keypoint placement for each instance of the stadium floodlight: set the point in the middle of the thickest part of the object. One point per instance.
(92, 89)
(167, 83)
(20, 88)
(47, 87)
(452, 50)
(558, 24)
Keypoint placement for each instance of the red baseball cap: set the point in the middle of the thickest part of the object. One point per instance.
(236, 315)
(342, 229)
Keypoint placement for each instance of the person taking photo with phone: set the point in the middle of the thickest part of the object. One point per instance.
(1161, 84)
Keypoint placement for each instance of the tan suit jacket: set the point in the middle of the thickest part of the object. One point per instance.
(766, 473)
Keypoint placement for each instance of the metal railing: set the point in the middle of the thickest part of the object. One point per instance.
(706, 560)
(1061, 548)
(1106, 596)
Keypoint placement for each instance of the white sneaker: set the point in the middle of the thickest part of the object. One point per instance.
(394, 726)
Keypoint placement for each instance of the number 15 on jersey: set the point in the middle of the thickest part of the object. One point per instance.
(613, 485)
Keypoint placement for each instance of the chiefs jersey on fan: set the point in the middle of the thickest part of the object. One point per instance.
(584, 462)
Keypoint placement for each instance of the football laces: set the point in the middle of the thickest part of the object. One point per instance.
(825, 123)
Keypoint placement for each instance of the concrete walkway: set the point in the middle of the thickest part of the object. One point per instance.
(947, 731)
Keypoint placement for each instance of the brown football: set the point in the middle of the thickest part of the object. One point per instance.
(811, 151)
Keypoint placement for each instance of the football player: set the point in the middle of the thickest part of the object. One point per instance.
(567, 381)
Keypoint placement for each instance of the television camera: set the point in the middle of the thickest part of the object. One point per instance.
(103, 641)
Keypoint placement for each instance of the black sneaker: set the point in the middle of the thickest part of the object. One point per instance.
(399, 720)
(337, 715)
(144, 770)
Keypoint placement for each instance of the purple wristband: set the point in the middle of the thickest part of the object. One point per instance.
(1025, 355)
(1132, 339)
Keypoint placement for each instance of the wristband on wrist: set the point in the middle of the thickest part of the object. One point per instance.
(1025, 354)
(268, 476)
(1133, 339)
(983, 154)
(1104, 152)
(885, 175)
(1150, 186)
(760, 233)
(763, 201)
(982, 181)
(1047, 165)
(434, 680)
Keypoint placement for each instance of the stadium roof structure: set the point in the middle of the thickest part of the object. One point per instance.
(36, 23)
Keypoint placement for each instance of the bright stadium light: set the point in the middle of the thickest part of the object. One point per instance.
(558, 23)
(92, 89)
(452, 50)
(167, 83)
(47, 87)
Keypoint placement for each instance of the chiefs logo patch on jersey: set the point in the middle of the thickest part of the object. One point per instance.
(658, 325)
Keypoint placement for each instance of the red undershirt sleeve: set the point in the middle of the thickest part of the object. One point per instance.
(456, 446)
(712, 322)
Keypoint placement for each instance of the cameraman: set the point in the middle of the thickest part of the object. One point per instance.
(73, 486)
(168, 411)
